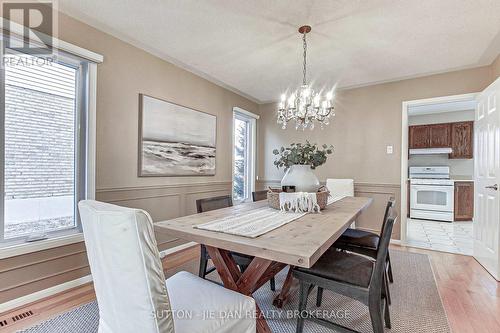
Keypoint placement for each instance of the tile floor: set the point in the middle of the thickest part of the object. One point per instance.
(455, 237)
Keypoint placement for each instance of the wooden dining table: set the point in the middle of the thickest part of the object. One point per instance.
(298, 243)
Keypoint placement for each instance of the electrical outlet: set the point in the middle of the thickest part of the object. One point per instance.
(390, 149)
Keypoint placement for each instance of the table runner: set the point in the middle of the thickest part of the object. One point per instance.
(252, 223)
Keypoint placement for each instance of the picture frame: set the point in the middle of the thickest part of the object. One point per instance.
(175, 140)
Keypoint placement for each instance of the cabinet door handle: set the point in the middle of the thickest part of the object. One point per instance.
(493, 187)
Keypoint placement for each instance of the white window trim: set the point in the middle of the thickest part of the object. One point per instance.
(11, 250)
(252, 150)
(17, 29)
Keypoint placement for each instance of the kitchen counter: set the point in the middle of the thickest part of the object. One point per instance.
(462, 178)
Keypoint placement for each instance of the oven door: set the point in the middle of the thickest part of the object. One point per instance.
(432, 197)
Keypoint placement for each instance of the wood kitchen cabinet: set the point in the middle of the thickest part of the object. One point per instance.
(464, 201)
(439, 136)
(457, 136)
(462, 139)
(430, 136)
(419, 137)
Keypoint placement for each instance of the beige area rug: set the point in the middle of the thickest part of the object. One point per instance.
(416, 305)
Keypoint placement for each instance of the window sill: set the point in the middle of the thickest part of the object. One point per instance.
(12, 250)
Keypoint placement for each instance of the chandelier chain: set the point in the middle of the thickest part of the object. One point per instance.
(304, 71)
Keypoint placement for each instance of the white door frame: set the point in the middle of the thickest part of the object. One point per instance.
(404, 147)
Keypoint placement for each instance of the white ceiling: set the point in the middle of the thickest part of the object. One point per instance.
(252, 46)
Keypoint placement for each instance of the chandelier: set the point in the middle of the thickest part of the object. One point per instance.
(305, 106)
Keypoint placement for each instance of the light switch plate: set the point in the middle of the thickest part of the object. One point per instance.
(390, 149)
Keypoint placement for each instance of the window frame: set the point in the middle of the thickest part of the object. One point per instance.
(84, 146)
(251, 147)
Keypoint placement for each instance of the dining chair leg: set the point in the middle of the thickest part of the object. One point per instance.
(389, 268)
(272, 282)
(375, 309)
(387, 291)
(203, 262)
(303, 295)
(319, 297)
(387, 314)
(386, 299)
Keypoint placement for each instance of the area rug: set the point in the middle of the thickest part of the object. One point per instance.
(416, 305)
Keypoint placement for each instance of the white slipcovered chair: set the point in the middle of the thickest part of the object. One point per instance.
(130, 286)
(340, 188)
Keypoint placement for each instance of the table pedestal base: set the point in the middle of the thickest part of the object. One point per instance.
(257, 274)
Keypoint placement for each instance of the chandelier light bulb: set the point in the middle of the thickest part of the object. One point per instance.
(316, 100)
(283, 97)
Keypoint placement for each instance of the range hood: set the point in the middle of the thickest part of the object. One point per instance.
(430, 151)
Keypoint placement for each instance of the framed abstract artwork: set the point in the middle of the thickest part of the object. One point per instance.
(175, 140)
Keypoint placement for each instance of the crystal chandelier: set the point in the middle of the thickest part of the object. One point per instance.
(305, 106)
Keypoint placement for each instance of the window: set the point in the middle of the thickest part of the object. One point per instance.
(45, 146)
(243, 155)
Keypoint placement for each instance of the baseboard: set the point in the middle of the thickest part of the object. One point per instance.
(38, 295)
(177, 248)
(396, 242)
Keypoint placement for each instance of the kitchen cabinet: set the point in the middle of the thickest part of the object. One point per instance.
(419, 137)
(464, 201)
(462, 135)
(430, 136)
(457, 136)
(439, 135)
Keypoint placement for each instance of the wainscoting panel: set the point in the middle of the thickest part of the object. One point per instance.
(371, 219)
(28, 273)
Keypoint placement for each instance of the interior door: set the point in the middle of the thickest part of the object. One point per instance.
(487, 178)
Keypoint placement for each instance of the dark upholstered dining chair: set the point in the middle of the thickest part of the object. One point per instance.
(242, 260)
(352, 275)
(365, 242)
(259, 195)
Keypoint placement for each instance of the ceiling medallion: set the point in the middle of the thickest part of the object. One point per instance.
(305, 106)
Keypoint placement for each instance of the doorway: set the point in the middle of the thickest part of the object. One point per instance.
(437, 173)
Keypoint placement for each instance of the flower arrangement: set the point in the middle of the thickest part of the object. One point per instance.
(303, 154)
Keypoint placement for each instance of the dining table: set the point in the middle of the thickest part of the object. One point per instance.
(299, 243)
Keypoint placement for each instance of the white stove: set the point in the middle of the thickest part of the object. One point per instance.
(431, 193)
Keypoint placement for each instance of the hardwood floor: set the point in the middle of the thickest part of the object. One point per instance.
(471, 297)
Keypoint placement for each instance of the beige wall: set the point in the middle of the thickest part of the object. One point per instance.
(495, 67)
(367, 120)
(126, 72)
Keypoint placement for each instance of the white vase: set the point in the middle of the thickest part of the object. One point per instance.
(302, 177)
